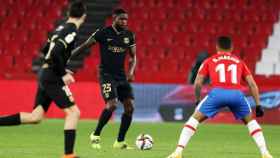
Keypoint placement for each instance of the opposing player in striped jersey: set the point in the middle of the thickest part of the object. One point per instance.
(226, 72)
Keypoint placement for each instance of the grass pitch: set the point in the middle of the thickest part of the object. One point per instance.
(211, 141)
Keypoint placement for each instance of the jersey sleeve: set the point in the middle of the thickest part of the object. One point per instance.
(97, 36)
(45, 47)
(245, 71)
(132, 41)
(59, 44)
(67, 37)
(204, 68)
(57, 57)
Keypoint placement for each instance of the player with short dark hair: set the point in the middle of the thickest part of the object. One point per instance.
(116, 42)
(226, 72)
(53, 80)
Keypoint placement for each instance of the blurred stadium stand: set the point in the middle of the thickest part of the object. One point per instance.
(270, 58)
(169, 33)
(24, 26)
(179, 29)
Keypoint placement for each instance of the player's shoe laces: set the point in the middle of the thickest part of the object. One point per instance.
(95, 141)
(175, 155)
(267, 156)
(70, 156)
(121, 145)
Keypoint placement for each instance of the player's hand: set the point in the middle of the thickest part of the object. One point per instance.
(68, 79)
(259, 111)
(130, 77)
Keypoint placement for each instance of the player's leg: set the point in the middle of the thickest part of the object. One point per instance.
(42, 103)
(208, 107)
(241, 110)
(126, 120)
(103, 120)
(70, 126)
(36, 116)
(105, 116)
(256, 133)
(125, 95)
(187, 132)
(23, 117)
(109, 93)
(63, 98)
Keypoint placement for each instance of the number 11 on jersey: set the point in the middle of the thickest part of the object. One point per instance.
(221, 69)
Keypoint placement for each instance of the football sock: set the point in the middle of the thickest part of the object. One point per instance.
(10, 120)
(69, 141)
(104, 118)
(186, 134)
(257, 134)
(125, 123)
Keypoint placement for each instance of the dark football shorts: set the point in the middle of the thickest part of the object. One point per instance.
(111, 88)
(59, 93)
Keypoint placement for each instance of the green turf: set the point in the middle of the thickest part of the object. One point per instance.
(211, 141)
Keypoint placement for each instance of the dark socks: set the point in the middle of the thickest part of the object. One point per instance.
(125, 123)
(69, 141)
(10, 120)
(103, 120)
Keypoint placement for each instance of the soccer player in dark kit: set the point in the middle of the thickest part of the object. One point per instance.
(53, 80)
(115, 42)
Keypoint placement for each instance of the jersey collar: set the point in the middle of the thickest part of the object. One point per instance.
(222, 52)
(117, 32)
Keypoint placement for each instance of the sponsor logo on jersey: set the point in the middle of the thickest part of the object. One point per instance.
(115, 49)
(59, 28)
(126, 40)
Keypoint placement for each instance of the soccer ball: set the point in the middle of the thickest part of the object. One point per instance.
(144, 142)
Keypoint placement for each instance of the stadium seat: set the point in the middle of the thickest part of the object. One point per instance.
(144, 39)
(163, 39)
(7, 62)
(183, 39)
(264, 68)
(214, 15)
(140, 15)
(31, 49)
(38, 36)
(168, 68)
(277, 69)
(3, 13)
(251, 16)
(23, 27)
(177, 15)
(165, 29)
(186, 3)
(45, 25)
(27, 2)
(155, 52)
(157, 14)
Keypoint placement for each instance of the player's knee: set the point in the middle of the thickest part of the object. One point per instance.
(36, 119)
(111, 105)
(77, 113)
(128, 107)
(129, 110)
(73, 113)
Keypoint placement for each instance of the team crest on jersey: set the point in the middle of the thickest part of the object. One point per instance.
(59, 28)
(126, 40)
